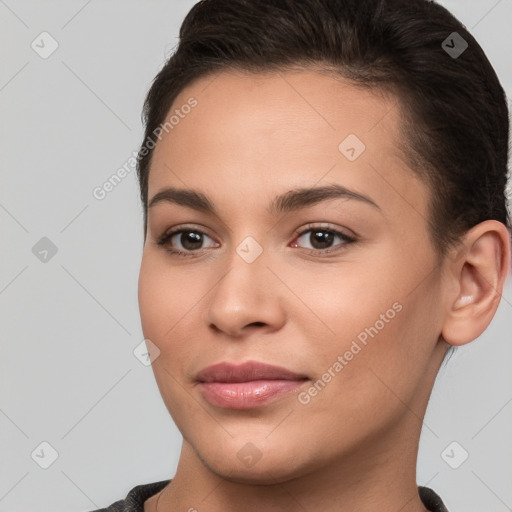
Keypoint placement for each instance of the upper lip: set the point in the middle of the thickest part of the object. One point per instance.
(250, 370)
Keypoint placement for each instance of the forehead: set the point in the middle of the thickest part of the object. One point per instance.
(269, 132)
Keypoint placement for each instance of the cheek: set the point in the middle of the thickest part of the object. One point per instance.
(346, 304)
(164, 302)
(152, 299)
(165, 298)
(368, 317)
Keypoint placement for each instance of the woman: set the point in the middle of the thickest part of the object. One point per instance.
(325, 220)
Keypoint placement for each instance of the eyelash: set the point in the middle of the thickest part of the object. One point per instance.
(162, 240)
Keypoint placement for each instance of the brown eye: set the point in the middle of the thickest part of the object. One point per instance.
(190, 240)
(184, 242)
(321, 239)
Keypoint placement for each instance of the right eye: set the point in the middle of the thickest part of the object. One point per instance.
(190, 240)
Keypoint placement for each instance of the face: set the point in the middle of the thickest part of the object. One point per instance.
(340, 288)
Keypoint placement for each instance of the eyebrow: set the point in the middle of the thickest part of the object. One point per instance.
(292, 200)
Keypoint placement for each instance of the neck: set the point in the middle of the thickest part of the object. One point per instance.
(373, 478)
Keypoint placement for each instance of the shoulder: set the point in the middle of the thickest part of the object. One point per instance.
(431, 500)
(134, 501)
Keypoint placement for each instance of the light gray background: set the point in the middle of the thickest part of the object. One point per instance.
(69, 326)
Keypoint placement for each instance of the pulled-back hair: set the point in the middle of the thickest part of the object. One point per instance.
(454, 113)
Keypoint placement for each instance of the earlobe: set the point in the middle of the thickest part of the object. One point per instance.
(479, 274)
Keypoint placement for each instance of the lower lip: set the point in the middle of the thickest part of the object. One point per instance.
(246, 395)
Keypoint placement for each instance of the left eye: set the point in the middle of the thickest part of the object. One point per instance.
(322, 239)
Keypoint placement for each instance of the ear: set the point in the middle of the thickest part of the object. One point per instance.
(477, 275)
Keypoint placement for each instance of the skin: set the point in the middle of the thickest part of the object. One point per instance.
(354, 445)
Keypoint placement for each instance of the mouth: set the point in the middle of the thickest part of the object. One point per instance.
(248, 385)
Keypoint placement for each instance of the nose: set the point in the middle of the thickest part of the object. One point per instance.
(247, 297)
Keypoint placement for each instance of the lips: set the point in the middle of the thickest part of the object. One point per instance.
(248, 385)
(251, 370)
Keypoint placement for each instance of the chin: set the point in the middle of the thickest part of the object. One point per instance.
(261, 474)
(243, 462)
